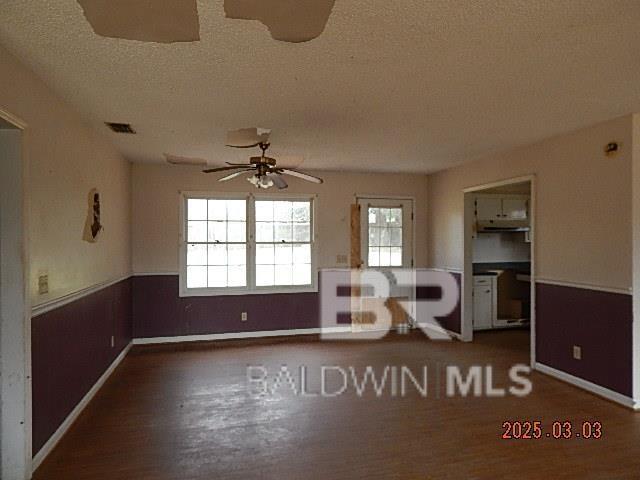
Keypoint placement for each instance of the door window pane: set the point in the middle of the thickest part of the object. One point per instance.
(385, 237)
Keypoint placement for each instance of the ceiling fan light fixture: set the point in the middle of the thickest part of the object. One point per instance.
(260, 181)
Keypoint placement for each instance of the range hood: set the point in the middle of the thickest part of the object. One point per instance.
(489, 226)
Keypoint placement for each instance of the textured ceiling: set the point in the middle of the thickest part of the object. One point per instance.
(405, 85)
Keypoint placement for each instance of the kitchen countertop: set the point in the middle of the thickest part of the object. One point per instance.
(523, 268)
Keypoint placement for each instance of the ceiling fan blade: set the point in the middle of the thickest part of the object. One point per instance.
(239, 164)
(234, 174)
(219, 169)
(303, 176)
(289, 161)
(247, 137)
(178, 160)
(144, 20)
(278, 181)
(287, 20)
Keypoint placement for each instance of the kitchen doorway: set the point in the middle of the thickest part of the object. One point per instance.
(499, 259)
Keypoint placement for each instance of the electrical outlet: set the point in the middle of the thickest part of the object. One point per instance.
(243, 317)
(43, 284)
(577, 352)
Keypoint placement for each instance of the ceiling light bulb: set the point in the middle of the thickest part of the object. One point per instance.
(266, 182)
(254, 179)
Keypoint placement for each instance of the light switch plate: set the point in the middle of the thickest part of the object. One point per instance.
(577, 352)
(243, 317)
(43, 284)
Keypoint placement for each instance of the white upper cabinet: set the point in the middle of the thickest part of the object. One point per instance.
(514, 208)
(501, 207)
(489, 208)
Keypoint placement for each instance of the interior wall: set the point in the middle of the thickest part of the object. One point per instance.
(501, 247)
(583, 220)
(66, 158)
(74, 344)
(156, 222)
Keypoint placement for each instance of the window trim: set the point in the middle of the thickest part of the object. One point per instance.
(251, 288)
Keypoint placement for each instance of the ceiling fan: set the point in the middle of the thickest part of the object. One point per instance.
(267, 172)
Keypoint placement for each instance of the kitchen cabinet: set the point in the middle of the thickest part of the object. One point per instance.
(501, 207)
(488, 208)
(514, 208)
(484, 302)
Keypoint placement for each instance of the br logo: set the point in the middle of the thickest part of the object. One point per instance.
(362, 298)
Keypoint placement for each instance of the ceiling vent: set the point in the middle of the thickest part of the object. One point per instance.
(120, 127)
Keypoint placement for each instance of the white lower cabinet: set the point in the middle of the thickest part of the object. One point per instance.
(484, 302)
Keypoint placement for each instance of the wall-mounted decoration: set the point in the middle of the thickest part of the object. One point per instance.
(92, 226)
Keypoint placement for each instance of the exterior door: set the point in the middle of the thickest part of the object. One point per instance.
(387, 243)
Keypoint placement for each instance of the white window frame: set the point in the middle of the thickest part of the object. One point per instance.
(251, 287)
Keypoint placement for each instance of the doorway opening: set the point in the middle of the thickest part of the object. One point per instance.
(15, 337)
(499, 261)
(386, 236)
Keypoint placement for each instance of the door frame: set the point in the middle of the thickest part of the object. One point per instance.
(406, 198)
(467, 273)
(20, 403)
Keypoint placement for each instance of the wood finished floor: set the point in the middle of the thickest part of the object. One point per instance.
(186, 414)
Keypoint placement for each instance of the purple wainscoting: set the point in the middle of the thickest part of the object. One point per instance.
(599, 322)
(453, 321)
(71, 349)
(159, 311)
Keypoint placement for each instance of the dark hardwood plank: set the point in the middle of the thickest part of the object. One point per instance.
(171, 413)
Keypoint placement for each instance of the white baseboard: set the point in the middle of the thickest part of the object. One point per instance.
(240, 335)
(64, 426)
(588, 386)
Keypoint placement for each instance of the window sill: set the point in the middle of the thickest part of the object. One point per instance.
(208, 292)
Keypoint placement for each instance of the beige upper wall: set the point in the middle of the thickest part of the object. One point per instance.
(583, 216)
(65, 159)
(156, 224)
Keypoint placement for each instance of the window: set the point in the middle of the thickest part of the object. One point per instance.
(283, 242)
(246, 244)
(385, 237)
